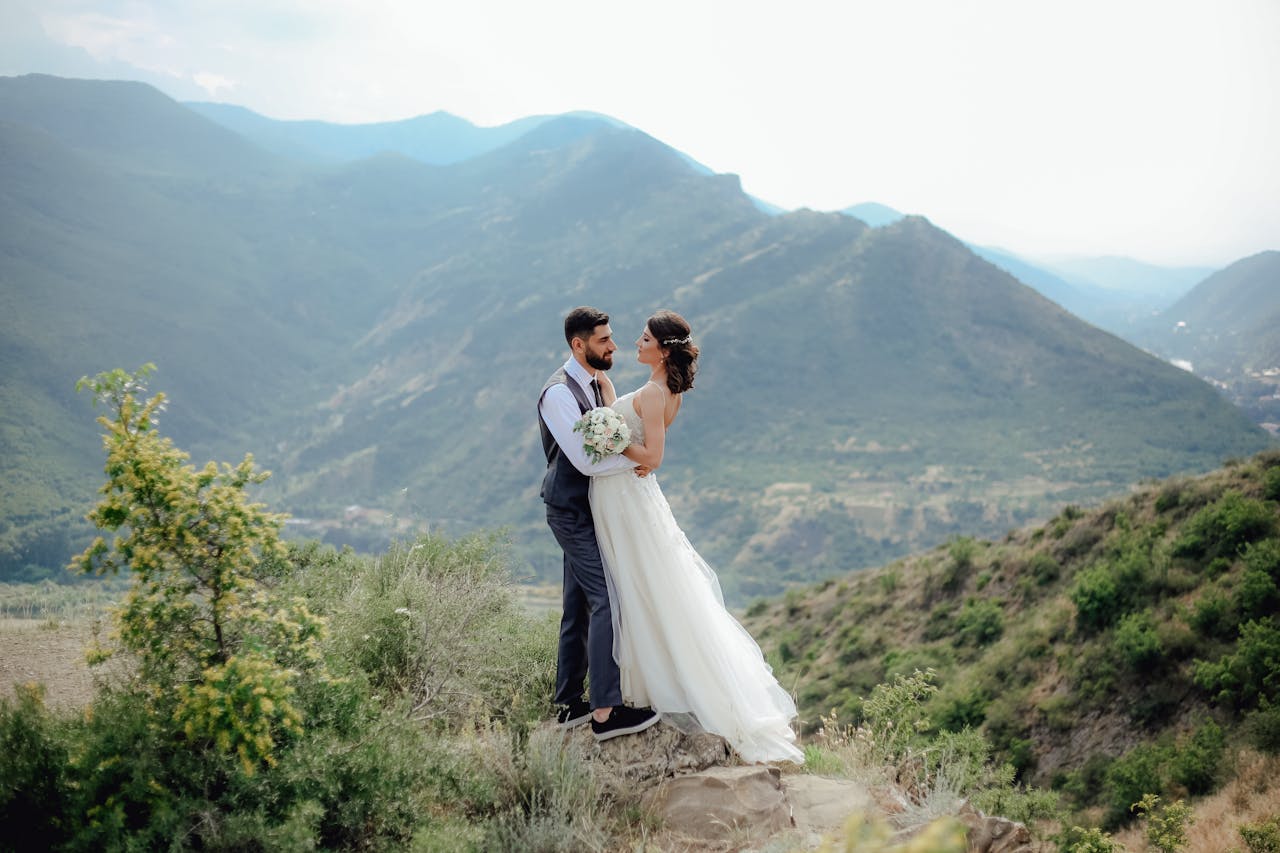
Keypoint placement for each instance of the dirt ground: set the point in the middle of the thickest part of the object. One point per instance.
(49, 653)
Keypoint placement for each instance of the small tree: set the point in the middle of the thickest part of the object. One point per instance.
(217, 652)
(1167, 826)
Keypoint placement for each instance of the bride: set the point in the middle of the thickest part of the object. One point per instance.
(678, 649)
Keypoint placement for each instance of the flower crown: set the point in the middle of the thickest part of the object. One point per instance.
(673, 341)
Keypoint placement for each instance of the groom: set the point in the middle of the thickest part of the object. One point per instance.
(586, 628)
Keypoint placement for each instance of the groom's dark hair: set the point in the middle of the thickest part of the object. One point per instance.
(581, 322)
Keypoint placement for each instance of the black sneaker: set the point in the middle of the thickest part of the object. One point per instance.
(624, 721)
(575, 713)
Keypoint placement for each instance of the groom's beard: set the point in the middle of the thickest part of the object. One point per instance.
(600, 360)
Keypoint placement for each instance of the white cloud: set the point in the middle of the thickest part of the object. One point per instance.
(212, 83)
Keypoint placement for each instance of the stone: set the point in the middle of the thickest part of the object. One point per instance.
(632, 764)
(989, 834)
(722, 803)
(821, 804)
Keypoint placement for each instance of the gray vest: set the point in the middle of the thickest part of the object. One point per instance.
(563, 485)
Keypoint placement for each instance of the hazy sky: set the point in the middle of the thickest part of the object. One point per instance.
(1148, 129)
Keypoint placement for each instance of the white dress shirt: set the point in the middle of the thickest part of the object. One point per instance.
(559, 410)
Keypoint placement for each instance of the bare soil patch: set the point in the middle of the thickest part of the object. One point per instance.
(49, 653)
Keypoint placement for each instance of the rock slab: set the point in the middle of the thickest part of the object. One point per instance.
(723, 802)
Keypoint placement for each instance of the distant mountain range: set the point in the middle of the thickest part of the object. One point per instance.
(375, 330)
(1228, 323)
(1116, 294)
(1227, 330)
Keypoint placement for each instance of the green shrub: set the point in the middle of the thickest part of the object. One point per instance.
(1257, 595)
(1271, 484)
(1166, 826)
(961, 712)
(979, 623)
(1135, 774)
(1215, 616)
(1194, 764)
(1264, 556)
(1251, 673)
(33, 783)
(1044, 569)
(1223, 528)
(1137, 643)
(1097, 597)
(1077, 839)
(1263, 728)
(1263, 836)
(551, 798)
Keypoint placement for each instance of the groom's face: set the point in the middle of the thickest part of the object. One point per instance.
(600, 347)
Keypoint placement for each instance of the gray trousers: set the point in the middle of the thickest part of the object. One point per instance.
(586, 627)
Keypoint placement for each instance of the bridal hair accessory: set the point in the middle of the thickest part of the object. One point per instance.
(669, 342)
(604, 433)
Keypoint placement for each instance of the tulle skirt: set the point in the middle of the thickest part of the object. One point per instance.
(679, 650)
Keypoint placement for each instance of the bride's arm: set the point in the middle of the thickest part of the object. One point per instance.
(607, 393)
(651, 403)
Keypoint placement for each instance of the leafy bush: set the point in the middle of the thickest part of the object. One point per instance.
(1044, 569)
(551, 799)
(1167, 826)
(1215, 616)
(980, 622)
(1137, 642)
(960, 712)
(1130, 777)
(1223, 528)
(1263, 728)
(437, 622)
(1249, 674)
(33, 761)
(243, 724)
(1194, 764)
(1263, 836)
(1097, 597)
(224, 651)
(1271, 484)
(1077, 839)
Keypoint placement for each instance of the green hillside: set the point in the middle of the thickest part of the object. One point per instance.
(1109, 653)
(1227, 329)
(375, 332)
(1230, 321)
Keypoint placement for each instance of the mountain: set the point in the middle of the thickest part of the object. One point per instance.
(1125, 275)
(1227, 330)
(372, 330)
(438, 138)
(1116, 294)
(873, 213)
(1108, 653)
(1229, 323)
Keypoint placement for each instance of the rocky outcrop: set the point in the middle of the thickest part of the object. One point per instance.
(723, 802)
(636, 763)
(820, 804)
(989, 834)
(705, 799)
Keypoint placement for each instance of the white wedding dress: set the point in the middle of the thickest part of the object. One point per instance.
(679, 650)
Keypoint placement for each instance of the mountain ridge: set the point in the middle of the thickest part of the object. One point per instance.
(371, 330)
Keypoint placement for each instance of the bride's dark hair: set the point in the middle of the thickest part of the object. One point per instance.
(673, 334)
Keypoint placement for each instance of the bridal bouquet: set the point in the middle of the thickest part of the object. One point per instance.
(604, 433)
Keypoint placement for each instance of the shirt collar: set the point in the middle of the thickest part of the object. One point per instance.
(579, 373)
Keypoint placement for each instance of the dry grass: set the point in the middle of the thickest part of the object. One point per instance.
(1252, 796)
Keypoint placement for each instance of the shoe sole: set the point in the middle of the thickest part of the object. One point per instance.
(574, 722)
(629, 730)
